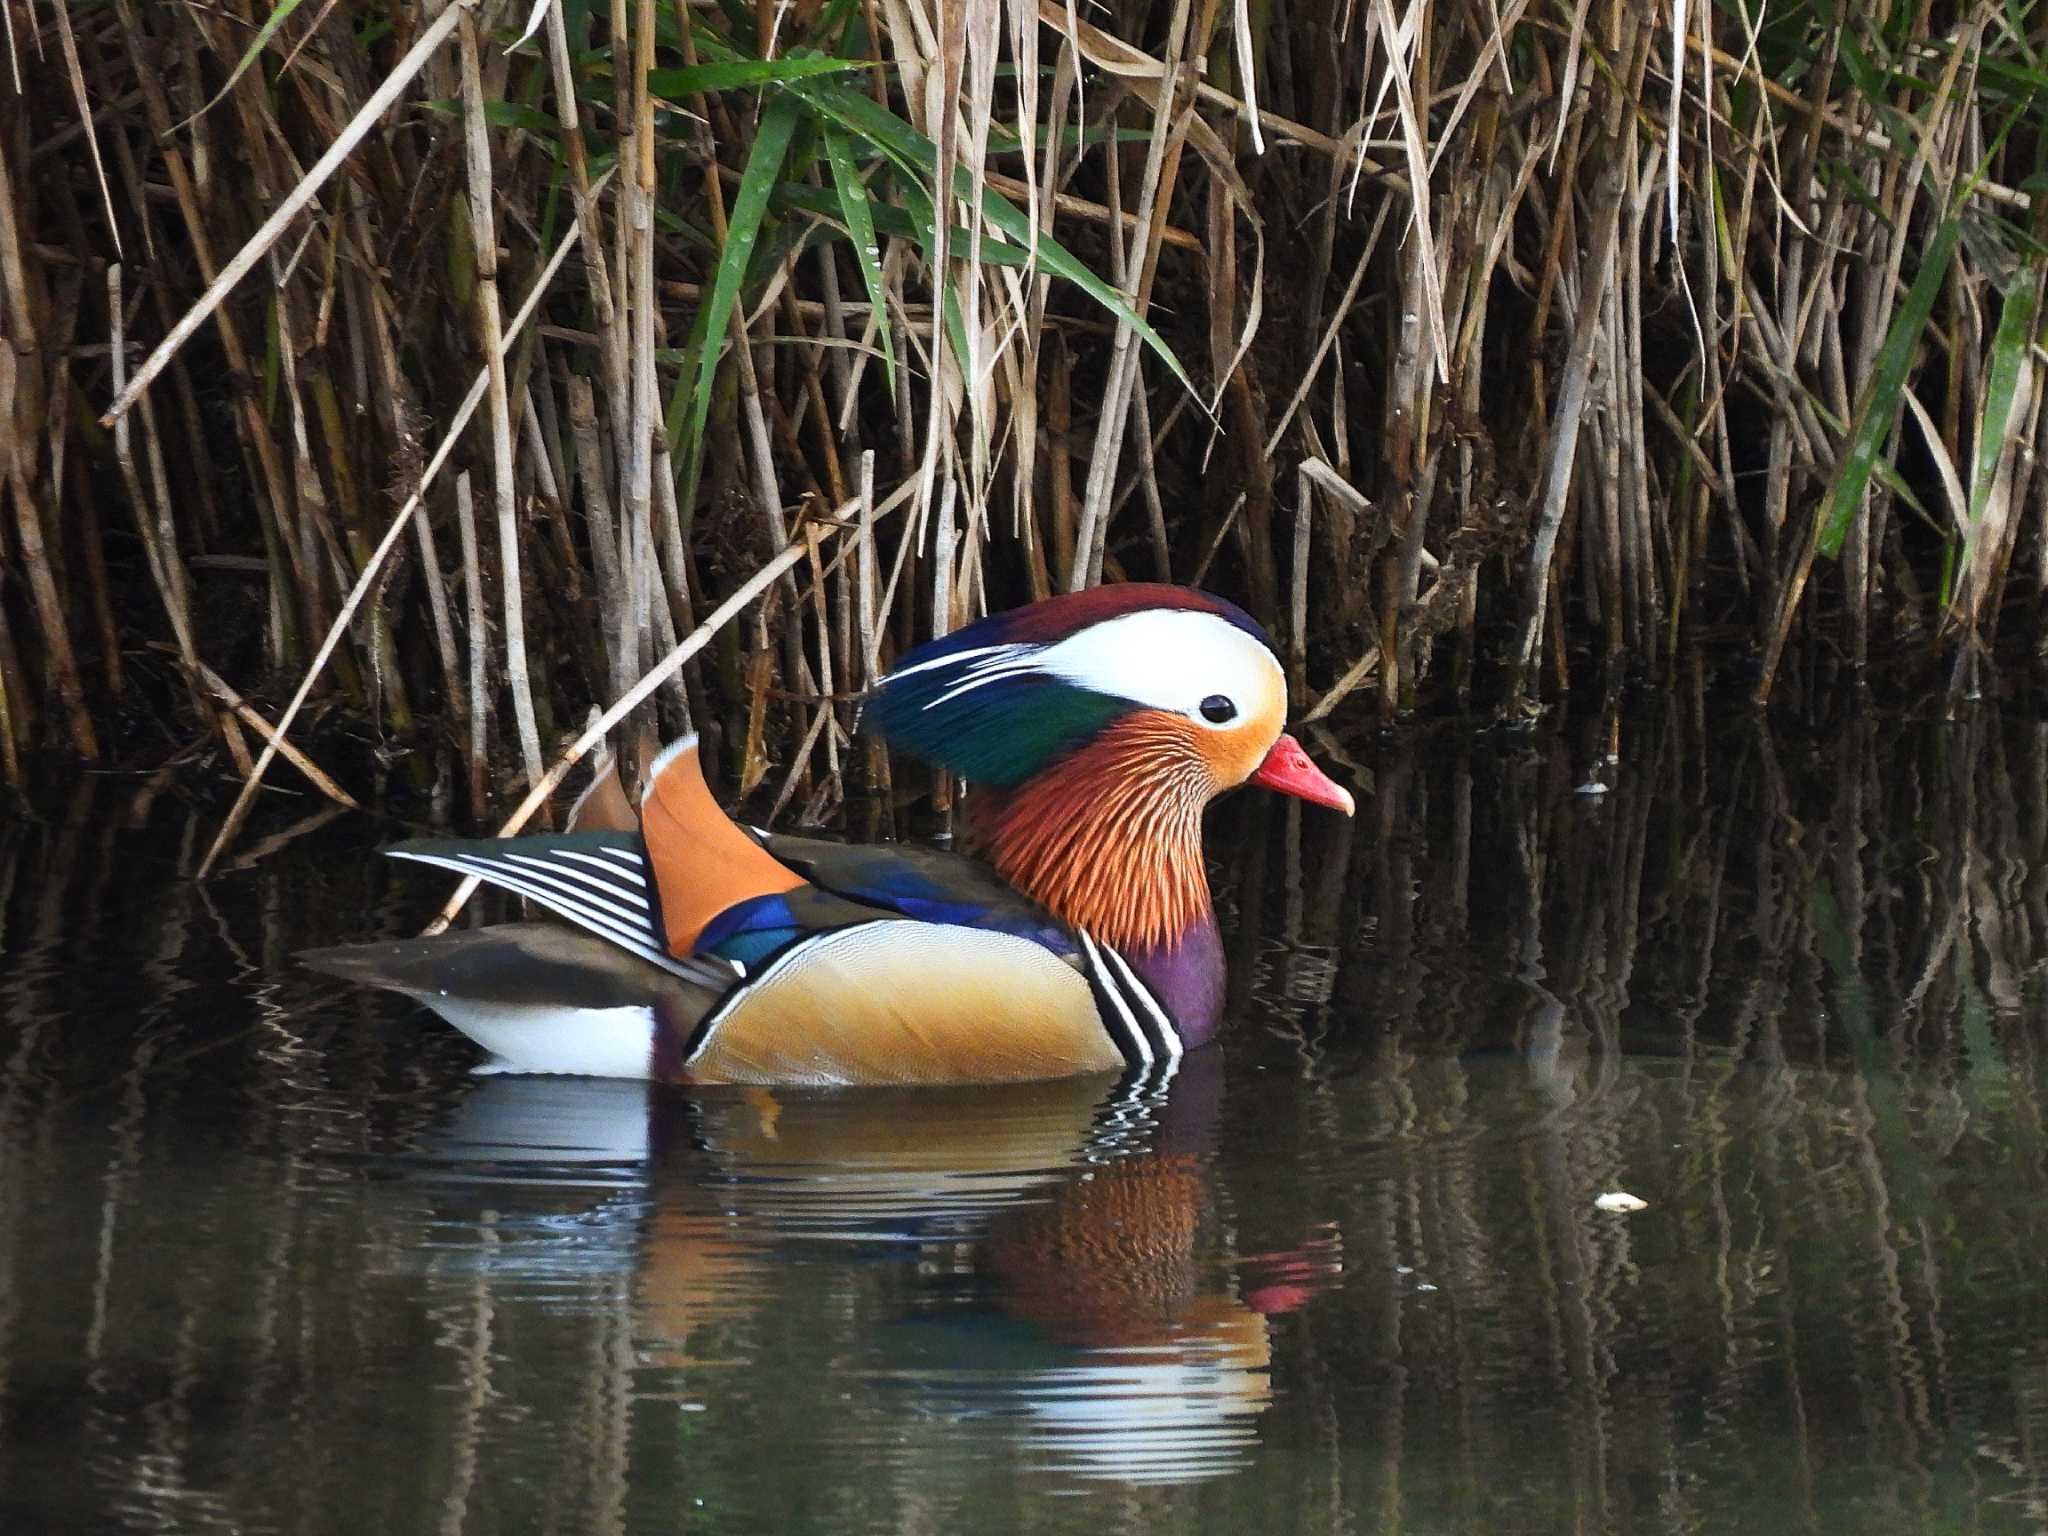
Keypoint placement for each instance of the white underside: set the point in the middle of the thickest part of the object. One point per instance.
(573, 1042)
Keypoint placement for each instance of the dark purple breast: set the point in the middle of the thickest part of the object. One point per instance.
(1187, 976)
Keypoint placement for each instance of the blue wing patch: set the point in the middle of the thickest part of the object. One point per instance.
(860, 883)
(750, 931)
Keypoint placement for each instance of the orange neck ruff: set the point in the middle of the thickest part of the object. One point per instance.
(1110, 838)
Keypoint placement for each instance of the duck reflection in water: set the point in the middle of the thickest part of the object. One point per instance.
(1075, 1290)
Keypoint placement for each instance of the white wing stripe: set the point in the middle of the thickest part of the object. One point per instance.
(635, 934)
(583, 878)
(712, 972)
(576, 889)
(564, 905)
(635, 872)
(555, 901)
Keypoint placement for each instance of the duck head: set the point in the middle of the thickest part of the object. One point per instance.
(1095, 727)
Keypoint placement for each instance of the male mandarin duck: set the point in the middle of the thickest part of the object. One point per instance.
(1093, 729)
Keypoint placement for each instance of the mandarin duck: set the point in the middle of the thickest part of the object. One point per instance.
(1093, 728)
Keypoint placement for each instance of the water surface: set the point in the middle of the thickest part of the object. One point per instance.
(271, 1259)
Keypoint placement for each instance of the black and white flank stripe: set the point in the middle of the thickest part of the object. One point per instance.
(1141, 1028)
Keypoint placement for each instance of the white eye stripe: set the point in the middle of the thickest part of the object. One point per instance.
(1170, 659)
(1164, 658)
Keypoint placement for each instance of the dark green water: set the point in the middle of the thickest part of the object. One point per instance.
(271, 1260)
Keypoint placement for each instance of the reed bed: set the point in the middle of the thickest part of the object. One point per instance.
(436, 369)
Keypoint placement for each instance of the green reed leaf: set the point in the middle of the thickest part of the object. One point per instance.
(1880, 399)
(544, 126)
(738, 74)
(264, 34)
(918, 204)
(860, 116)
(858, 211)
(895, 222)
(778, 126)
(2001, 390)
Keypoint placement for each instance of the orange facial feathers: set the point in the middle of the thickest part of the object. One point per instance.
(1110, 838)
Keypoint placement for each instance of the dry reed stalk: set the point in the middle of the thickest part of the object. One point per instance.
(459, 697)
(318, 545)
(281, 217)
(610, 323)
(11, 730)
(254, 429)
(1162, 163)
(1907, 186)
(1311, 476)
(23, 410)
(75, 75)
(154, 519)
(291, 754)
(869, 615)
(636, 476)
(1571, 408)
(676, 613)
(479, 734)
(1778, 187)
(363, 582)
(490, 325)
(61, 660)
(698, 638)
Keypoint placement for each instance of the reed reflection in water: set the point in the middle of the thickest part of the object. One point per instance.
(271, 1260)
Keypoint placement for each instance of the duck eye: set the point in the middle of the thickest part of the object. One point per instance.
(1218, 710)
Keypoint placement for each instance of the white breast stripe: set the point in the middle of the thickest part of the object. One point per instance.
(570, 874)
(1138, 1049)
(1169, 1038)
